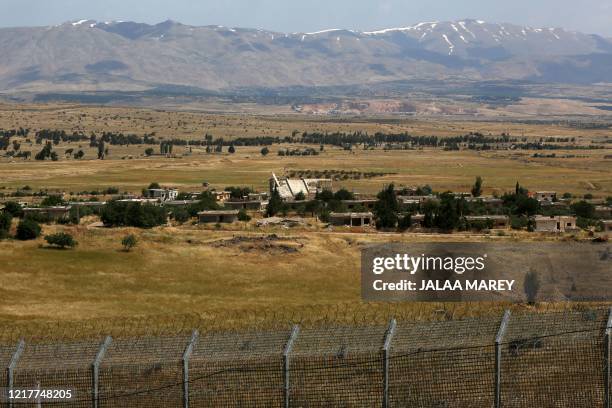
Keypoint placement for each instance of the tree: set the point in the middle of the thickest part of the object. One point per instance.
(6, 220)
(54, 156)
(27, 229)
(447, 217)
(531, 286)
(344, 194)
(13, 208)
(300, 196)
(180, 214)
(231, 149)
(149, 151)
(275, 204)
(101, 150)
(583, 209)
(386, 208)
(129, 242)
(477, 188)
(154, 186)
(404, 222)
(243, 216)
(265, 151)
(61, 240)
(52, 201)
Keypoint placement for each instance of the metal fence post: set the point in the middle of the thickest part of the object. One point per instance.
(498, 352)
(11, 369)
(288, 347)
(608, 352)
(95, 370)
(186, 355)
(386, 350)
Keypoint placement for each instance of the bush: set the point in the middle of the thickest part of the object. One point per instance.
(52, 201)
(119, 214)
(61, 240)
(13, 208)
(6, 219)
(265, 151)
(27, 229)
(180, 214)
(243, 216)
(129, 242)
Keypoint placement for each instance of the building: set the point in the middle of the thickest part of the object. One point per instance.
(222, 196)
(88, 204)
(51, 213)
(549, 196)
(604, 212)
(217, 217)
(351, 219)
(250, 205)
(490, 203)
(179, 203)
(153, 201)
(367, 204)
(496, 221)
(288, 188)
(162, 194)
(561, 223)
(607, 226)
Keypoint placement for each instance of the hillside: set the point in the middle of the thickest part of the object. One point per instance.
(88, 55)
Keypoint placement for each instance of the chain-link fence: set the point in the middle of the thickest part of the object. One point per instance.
(539, 360)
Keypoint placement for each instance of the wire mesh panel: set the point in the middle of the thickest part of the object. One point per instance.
(57, 366)
(143, 372)
(554, 360)
(6, 353)
(337, 367)
(237, 370)
(443, 364)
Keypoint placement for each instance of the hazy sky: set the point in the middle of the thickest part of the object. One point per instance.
(591, 16)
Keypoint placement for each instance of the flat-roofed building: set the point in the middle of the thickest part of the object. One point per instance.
(250, 205)
(365, 203)
(218, 216)
(351, 219)
(496, 221)
(549, 196)
(560, 223)
(162, 194)
(52, 213)
(603, 212)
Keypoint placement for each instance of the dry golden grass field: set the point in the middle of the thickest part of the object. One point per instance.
(178, 270)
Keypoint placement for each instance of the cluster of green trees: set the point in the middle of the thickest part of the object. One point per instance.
(132, 214)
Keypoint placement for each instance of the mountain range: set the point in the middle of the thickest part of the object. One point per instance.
(88, 55)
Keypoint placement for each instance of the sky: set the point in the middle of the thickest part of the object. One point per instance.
(589, 16)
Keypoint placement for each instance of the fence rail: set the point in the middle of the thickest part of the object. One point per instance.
(547, 360)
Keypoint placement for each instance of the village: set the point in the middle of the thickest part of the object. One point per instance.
(299, 201)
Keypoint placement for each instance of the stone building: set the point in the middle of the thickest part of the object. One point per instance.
(218, 216)
(351, 219)
(560, 223)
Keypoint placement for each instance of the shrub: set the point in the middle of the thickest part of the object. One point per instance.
(6, 219)
(180, 214)
(265, 151)
(129, 242)
(52, 201)
(27, 229)
(61, 240)
(11, 207)
(243, 216)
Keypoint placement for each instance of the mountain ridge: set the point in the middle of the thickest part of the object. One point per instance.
(91, 55)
